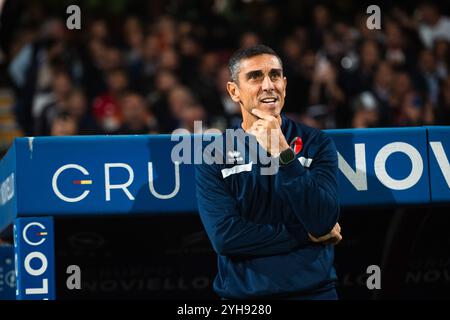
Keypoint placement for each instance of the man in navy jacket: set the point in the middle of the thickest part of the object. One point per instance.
(273, 233)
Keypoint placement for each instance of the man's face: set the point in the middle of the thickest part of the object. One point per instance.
(261, 85)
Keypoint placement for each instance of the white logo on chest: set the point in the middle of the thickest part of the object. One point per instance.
(234, 156)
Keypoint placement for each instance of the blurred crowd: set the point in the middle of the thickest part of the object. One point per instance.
(139, 75)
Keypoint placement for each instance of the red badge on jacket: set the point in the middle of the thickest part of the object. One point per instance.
(297, 144)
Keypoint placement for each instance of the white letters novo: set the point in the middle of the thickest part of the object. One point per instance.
(358, 177)
(442, 160)
(385, 178)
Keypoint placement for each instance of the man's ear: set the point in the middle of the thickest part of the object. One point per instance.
(233, 91)
(285, 85)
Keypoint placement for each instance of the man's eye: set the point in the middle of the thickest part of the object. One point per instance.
(275, 76)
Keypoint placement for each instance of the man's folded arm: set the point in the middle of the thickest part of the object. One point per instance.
(229, 233)
(312, 193)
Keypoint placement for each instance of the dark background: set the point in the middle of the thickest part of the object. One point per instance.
(170, 257)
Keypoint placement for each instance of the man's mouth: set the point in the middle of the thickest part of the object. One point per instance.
(269, 100)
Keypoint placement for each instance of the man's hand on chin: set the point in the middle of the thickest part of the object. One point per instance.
(268, 133)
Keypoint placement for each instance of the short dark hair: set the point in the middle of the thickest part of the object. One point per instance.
(246, 53)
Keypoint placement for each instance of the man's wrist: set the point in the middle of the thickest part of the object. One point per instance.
(275, 152)
(287, 156)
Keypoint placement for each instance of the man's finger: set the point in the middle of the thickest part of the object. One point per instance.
(320, 239)
(336, 240)
(333, 240)
(312, 238)
(336, 226)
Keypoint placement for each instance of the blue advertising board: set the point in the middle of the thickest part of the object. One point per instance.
(378, 167)
(136, 174)
(439, 153)
(8, 185)
(7, 273)
(115, 175)
(34, 258)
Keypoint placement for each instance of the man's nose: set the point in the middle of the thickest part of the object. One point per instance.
(267, 84)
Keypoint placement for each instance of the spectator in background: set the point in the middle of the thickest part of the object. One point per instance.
(230, 109)
(106, 106)
(433, 25)
(189, 115)
(381, 90)
(166, 31)
(78, 109)
(190, 52)
(136, 115)
(169, 60)
(165, 81)
(61, 88)
(321, 24)
(365, 111)
(317, 116)
(99, 30)
(179, 98)
(441, 51)
(364, 33)
(92, 57)
(31, 68)
(401, 87)
(64, 125)
(413, 110)
(291, 53)
(324, 89)
(304, 81)
(395, 52)
(356, 81)
(370, 57)
(142, 69)
(426, 80)
(292, 58)
(332, 47)
(134, 39)
(204, 83)
(270, 26)
(443, 110)
(348, 36)
(185, 28)
(249, 39)
(113, 59)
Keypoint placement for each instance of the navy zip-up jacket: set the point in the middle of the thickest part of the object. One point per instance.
(259, 224)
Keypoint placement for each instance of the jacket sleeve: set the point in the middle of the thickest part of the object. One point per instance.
(229, 233)
(312, 193)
